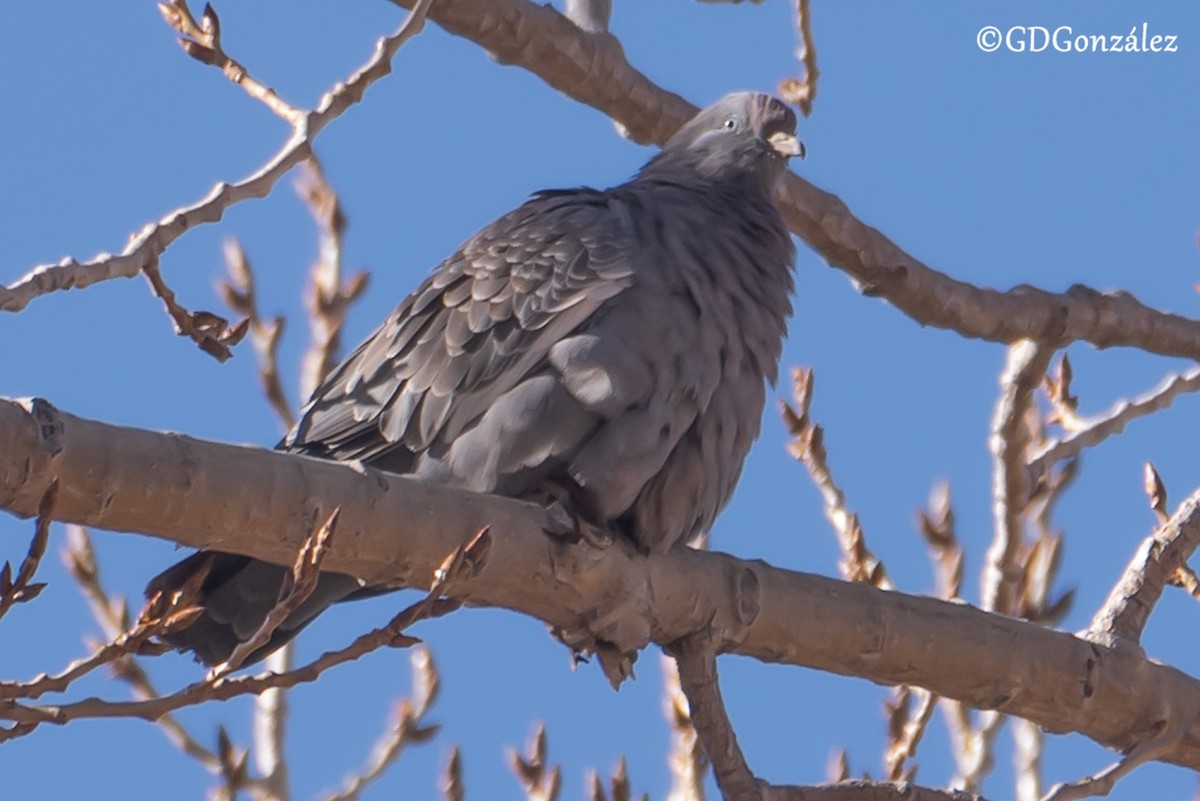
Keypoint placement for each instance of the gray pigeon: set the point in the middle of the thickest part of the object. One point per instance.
(607, 349)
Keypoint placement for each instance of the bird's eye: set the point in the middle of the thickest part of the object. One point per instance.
(729, 124)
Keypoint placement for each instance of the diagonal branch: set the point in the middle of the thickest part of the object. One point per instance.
(697, 663)
(1128, 607)
(592, 69)
(20, 589)
(296, 589)
(202, 41)
(1095, 430)
(146, 246)
(408, 727)
(463, 562)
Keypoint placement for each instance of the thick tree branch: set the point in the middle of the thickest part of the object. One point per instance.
(592, 69)
(263, 504)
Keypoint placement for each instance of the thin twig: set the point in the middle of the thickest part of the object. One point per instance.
(297, 587)
(20, 589)
(268, 726)
(463, 562)
(1028, 744)
(936, 524)
(1094, 430)
(807, 446)
(407, 728)
(909, 717)
(212, 333)
(686, 759)
(1103, 782)
(240, 294)
(112, 615)
(802, 91)
(1124, 614)
(975, 757)
(202, 41)
(539, 780)
(327, 296)
(145, 247)
(1008, 441)
(453, 788)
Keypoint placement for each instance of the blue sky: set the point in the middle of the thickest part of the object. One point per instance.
(998, 168)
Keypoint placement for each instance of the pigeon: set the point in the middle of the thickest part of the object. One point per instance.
(608, 350)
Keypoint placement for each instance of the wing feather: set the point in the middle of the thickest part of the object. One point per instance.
(483, 322)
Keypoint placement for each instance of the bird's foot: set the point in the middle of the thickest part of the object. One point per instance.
(569, 524)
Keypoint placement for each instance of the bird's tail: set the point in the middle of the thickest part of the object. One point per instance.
(234, 594)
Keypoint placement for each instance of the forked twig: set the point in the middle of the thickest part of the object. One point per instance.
(145, 247)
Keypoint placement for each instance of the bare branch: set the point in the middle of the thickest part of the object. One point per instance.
(407, 728)
(686, 759)
(1092, 431)
(456, 568)
(594, 70)
(328, 297)
(203, 42)
(858, 562)
(145, 247)
(209, 495)
(20, 590)
(1028, 741)
(802, 91)
(1027, 361)
(697, 663)
(296, 588)
(269, 733)
(1124, 614)
(1103, 782)
(212, 333)
(867, 791)
(808, 447)
(240, 295)
(910, 716)
(112, 614)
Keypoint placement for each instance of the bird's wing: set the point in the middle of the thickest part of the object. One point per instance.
(479, 325)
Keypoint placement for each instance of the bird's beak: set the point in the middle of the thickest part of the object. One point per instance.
(786, 144)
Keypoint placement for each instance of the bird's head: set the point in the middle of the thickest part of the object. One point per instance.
(744, 135)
